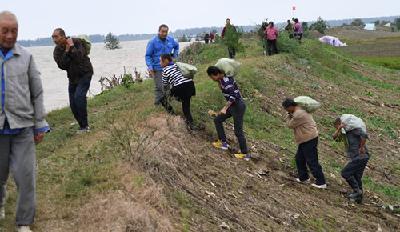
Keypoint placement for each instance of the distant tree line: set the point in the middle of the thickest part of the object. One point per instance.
(96, 38)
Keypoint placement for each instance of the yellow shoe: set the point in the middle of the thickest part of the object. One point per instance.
(246, 157)
(221, 145)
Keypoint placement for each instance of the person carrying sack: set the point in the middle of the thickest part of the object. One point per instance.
(306, 136)
(181, 88)
(352, 131)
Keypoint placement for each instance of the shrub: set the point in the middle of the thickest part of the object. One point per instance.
(358, 23)
(111, 42)
(286, 44)
(319, 26)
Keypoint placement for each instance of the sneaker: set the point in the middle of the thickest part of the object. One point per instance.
(302, 182)
(24, 229)
(2, 213)
(246, 157)
(221, 145)
(84, 130)
(322, 186)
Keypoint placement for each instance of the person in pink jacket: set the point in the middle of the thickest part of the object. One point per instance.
(271, 35)
(298, 30)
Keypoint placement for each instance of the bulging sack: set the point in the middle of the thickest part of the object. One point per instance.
(187, 70)
(229, 66)
(307, 103)
(352, 122)
(86, 43)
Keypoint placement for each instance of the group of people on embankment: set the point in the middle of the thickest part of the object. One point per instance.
(23, 124)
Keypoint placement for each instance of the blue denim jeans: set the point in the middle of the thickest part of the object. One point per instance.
(78, 101)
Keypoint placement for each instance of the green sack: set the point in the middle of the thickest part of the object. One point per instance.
(187, 70)
(229, 66)
(307, 103)
(86, 43)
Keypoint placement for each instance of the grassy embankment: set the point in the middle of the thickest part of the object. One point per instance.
(130, 175)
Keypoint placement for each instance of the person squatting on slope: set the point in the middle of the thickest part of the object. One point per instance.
(181, 88)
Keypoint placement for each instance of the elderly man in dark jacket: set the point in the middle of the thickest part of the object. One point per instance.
(71, 55)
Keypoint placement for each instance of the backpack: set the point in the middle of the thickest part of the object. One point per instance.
(307, 103)
(86, 43)
(187, 70)
(229, 66)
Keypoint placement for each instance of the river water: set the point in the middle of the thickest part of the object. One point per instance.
(105, 63)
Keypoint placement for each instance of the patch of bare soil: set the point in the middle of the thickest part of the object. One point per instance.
(248, 196)
(137, 207)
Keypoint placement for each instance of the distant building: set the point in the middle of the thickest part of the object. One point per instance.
(370, 27)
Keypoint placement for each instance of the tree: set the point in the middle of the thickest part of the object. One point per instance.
(358, 23)
(184, 38)
(111, 42)
(305, 26)
(319, 26)
(397, 22)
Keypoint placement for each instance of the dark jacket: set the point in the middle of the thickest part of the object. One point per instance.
(75, 62)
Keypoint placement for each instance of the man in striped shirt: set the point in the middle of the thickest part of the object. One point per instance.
(182, 88)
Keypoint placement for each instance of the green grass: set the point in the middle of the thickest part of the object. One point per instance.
(74, 168)
(185, 208)
(390, 191)
(387, 62)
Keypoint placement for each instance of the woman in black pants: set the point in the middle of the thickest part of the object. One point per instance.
(182, 88)
(235, 107)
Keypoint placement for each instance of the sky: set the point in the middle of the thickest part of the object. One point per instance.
(38, 18)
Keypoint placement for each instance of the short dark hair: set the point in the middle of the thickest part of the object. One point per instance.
(296, 20)
(213, 70)
(337, 121)
(288, 102)
(61, 31)
(166, 57)
(161, 26)
(271, 23)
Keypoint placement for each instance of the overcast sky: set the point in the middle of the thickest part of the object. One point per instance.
(38, 18)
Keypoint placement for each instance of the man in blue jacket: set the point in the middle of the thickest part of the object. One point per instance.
(159, 45)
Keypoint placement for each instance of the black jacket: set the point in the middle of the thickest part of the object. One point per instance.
(75, 61)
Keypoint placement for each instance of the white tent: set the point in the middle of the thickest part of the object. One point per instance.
(388, 25)
(333, 41)
(370, 27)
